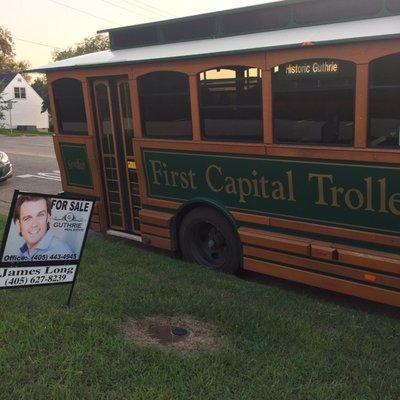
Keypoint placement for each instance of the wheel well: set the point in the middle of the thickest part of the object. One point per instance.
(189, 206)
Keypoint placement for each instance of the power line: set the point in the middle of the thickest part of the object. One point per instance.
(54, 1)
(125, 9)
(83, 12)
(155, 9)
(39, 44)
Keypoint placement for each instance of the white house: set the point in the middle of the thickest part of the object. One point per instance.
(26, 104)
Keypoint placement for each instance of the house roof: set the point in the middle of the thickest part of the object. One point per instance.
(350, 31)
(5, 79)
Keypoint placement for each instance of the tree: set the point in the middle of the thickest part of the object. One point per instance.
(3, 105)
(40, 86)
(7, 54)
(6, 42)
(89, 45)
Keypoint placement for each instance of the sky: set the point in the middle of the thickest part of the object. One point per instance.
(40, 26)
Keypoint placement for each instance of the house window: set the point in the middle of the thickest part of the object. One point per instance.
(313, 102)
(20, 93)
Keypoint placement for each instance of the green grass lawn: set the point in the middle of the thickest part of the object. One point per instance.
(278, 343)
(6, 132)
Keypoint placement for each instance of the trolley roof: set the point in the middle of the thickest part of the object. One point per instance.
(350, 31)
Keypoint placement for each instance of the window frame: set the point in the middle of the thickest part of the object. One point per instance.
(354, 52)
(139, 96)
(368, 89)
(231, 139)
(58, 121)
(19, 92)
(316, 144)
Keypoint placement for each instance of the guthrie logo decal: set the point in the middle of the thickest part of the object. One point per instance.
(69, 222)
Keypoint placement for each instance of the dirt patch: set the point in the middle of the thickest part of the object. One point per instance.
(200, 335)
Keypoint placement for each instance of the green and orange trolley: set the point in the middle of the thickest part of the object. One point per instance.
(264, 138)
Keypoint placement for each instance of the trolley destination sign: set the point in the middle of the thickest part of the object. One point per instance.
(313, 67)
(351, 195)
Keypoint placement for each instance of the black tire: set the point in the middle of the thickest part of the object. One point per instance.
(207, 238)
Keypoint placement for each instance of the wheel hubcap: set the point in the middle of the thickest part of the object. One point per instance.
(209, 245)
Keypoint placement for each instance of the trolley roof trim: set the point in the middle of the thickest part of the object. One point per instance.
(369, 29)
(271, 4)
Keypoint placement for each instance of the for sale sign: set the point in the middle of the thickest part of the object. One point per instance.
(43, 239)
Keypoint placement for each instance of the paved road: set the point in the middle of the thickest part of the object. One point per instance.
(35, 167)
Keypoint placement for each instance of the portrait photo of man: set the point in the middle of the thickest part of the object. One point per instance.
(32, 214)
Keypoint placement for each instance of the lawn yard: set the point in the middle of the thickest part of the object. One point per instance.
(7, 132)
(274, 343)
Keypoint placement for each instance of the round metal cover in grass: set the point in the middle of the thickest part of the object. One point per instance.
(177, 331)
(167, 334)
(183, 334)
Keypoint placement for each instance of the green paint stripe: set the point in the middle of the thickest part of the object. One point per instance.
(295, 218)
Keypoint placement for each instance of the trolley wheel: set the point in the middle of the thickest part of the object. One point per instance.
(207, 238)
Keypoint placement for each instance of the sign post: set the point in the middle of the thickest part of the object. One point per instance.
(44, 240)
(9, 107)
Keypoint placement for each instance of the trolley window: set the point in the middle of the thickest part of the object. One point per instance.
(230, 103)
(126, 116)
(393, 5)
(165, 105)
(69, 105)
(313, 102)
(384, 102)
(105, 128)
(328, 10)
(256, 20)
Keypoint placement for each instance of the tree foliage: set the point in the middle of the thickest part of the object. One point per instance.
(40, 86)
(7, 64)
(3, 105)
(7, 54)
(6, 42)
(89, 45)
